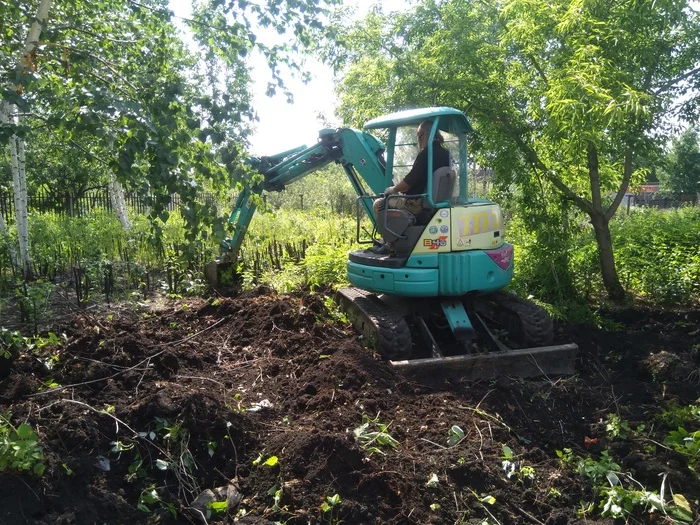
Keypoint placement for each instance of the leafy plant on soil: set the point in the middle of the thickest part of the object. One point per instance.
(455, 436)
(150, 497)
(11, 342)
(620, 494)
(372, 434)
(515, 469)
(683, 441)
(688, 444)
(327, 507)
(19, 448)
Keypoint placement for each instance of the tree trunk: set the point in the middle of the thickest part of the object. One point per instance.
(19, 185)
(24, 240)
(611, 281)
(5, 119)
(9, 114)
(116, 195)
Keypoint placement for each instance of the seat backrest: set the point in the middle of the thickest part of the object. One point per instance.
(443, 183)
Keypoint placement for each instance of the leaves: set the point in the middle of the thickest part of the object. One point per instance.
(114, 88)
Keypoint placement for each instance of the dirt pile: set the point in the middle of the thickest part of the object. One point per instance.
(264, 397)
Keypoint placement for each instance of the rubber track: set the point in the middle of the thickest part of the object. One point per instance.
(537, 324)
(386, 326)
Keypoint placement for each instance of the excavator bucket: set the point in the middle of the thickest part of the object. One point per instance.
(223, 277)
(391, 330)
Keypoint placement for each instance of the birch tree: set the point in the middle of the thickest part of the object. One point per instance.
(10, 115)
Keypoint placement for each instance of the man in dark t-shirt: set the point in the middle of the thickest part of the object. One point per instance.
(416, 181)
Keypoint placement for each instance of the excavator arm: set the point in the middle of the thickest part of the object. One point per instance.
(360, 154)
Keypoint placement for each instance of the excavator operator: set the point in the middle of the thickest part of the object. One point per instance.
(416, 181)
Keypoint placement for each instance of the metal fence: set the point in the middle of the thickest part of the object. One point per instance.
(665, 200)
(71, 205)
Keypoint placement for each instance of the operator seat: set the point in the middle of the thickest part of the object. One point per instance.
(392, 224)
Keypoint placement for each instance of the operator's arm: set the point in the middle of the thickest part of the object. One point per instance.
(401, 187)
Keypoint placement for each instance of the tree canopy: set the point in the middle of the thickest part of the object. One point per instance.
(681, 173)
(113, 85)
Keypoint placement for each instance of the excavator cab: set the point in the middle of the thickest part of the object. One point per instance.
(438, 301)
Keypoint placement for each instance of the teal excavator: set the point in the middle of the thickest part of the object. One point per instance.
(437, 300)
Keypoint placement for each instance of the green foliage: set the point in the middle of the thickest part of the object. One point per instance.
(617, 428)
(289, 249)
(675, 415)
(11, 343)
(19, 448)
(328, 189)
(657, 253)
(620, 495)
(688, 444)
(514, 469)
(681, 173)
(150, 497)
(329, 505)
(372, 435)
(455, 436)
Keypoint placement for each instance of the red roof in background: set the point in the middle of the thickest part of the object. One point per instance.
(648, 187)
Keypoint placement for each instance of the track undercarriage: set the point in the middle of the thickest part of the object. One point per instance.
(413, 335)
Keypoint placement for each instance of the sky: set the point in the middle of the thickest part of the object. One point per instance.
(284, 126)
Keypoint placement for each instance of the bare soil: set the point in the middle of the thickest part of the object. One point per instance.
(196, 395)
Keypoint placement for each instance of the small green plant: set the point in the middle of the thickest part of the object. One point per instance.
(334, 311)
(272, 461)
(433, 482)
(136, 469)
(620, 494)
(11, 343)
(688, 444)
(681, 416)
(19, 448)
(371, 435)
(515, 469)
(616, 427)
(619, 501)
(276, 491)
(455, 436)
(329, 505)
(150, 497)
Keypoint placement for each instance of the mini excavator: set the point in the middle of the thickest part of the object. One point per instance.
(437, 300)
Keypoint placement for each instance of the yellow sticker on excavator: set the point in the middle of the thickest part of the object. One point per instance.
(471, 227)
(477, 227)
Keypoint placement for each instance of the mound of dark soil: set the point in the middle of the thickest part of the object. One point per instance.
(260, 397)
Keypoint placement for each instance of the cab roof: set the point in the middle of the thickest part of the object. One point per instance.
(451, 120)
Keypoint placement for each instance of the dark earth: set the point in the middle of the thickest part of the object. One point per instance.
(256, 399)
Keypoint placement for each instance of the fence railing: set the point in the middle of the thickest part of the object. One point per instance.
(71, 205)
(665, 201)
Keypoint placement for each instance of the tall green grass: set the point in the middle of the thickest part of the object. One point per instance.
(289, 248)
(657, 254)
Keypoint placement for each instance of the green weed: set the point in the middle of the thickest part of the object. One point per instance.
(372, 435)
(19, 448)
(329, 505)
